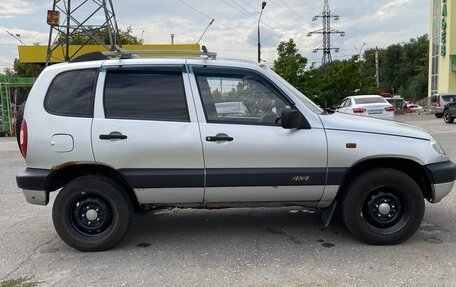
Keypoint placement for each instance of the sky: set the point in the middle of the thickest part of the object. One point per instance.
(234, 32)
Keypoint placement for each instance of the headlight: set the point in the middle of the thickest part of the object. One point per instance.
(437, 147)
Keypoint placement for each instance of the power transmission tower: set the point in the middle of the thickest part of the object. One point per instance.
(326, 31)
(80, 18)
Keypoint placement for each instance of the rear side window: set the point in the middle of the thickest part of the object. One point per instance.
(371, 100)
(72, 94)
(146, 94)
(449, 98)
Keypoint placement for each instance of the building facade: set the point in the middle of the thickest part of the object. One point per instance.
(442, 47)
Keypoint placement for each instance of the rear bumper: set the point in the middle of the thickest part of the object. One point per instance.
(442, 176)
(437, 110)
(33, 184)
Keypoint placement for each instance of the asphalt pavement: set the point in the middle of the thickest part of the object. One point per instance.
(236, 247)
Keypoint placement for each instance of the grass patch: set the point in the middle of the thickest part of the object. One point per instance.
(25, 281)
(284, 233)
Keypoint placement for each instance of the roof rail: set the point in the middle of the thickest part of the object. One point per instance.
(128, 54)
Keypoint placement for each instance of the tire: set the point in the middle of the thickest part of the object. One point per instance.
(92, 213)
(383, 207)
(438, 115)
(18, 123)
(447, 117)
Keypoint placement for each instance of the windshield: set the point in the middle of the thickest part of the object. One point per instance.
(305, 100)
(370, 100)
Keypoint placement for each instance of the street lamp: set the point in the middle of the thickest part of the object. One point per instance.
(259, 42)
(16, 36)
(359, 62)
(360, 51)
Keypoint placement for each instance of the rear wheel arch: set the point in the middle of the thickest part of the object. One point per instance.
(61, 176)
(413, 169)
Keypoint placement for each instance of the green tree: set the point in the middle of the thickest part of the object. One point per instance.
(325, 85)
(403, 67)
(126, 37)
(290, 64)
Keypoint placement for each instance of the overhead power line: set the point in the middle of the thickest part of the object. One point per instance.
(217, 21)
(310, 6)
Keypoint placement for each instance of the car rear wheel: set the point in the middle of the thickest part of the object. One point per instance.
(383, 207)
(92, 213)
(438, 115)
(447, 117)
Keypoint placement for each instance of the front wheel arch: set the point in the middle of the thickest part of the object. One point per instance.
(413, 169)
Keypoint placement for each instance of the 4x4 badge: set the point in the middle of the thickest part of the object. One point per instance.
(300, 178)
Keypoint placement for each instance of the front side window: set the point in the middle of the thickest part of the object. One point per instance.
(72, 93)
(155, 93)
(239, 96)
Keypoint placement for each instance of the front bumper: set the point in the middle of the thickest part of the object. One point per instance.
(442, 176)
(33, 184)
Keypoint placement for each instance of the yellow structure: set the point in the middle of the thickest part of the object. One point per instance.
(37, 54)
(442, 47)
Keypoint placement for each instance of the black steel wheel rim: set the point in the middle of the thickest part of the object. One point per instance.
(384, 209)
(90, 214)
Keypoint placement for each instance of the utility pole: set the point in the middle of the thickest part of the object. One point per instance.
(326, 31)
(172, 39)
(377, 74)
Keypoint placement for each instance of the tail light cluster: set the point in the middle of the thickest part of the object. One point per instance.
(23, 139)
(390, 109)
(359, 110)
(438, 104)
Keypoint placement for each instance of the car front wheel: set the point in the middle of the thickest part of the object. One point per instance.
(92, 213)
(447, 117)
(383, 207)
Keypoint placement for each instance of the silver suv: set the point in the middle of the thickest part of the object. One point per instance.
(438, 102)
(124, 134)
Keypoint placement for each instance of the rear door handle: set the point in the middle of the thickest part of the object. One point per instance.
(219, 137)
(113, 136)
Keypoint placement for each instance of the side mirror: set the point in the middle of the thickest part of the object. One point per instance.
(293, 119)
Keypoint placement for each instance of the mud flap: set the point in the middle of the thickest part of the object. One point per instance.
(327, 214)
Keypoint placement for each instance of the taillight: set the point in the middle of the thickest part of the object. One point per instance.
(23, 139)
(359, 110)
(390, 109)
(438, 103)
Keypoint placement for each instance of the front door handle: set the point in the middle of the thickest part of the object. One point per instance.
(219, 137)
(113, 136)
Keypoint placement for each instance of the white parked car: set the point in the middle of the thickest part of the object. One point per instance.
(414, 108)
(118, 135)
(367, 105)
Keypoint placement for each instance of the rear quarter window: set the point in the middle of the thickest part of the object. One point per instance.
(72, 93)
